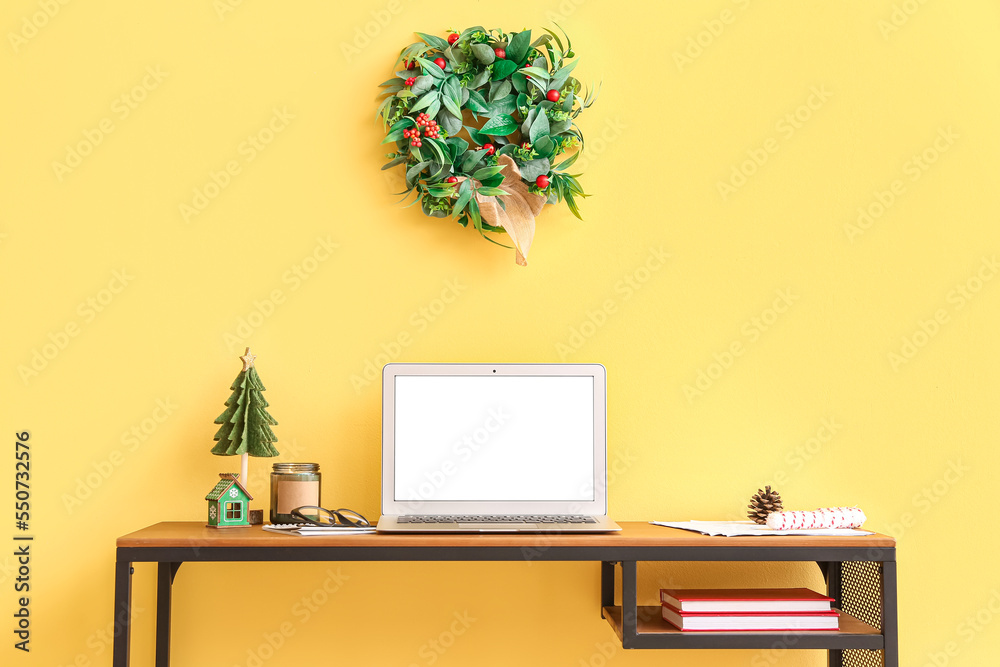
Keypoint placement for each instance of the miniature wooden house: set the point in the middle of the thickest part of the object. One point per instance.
(228, 502)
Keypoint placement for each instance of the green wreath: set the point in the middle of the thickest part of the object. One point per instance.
(460, 104)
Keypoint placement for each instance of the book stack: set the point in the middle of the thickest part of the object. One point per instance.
(748, 610)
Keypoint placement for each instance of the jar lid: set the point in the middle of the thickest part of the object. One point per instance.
(296, 467)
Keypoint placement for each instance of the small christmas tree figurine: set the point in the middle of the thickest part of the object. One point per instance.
(246, 424)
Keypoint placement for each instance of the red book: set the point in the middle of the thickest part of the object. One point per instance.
(771, 600)
(688, 621)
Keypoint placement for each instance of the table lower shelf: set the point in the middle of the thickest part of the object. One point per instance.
(654, 632)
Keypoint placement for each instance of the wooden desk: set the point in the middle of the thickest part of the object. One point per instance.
(860, 573)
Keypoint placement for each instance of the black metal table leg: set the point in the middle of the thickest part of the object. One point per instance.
(164, 589)
(607, 585)
(123, 613)
(890, 629)
(835, 657)
(630, 608)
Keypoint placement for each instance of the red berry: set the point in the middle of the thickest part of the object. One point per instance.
(552, 96)
(490, 149)
(542, 181)
(411, 81)
(526, 146)
(452, 38)
(500, 53)
(440, 62)
(407, 64)
(452, 179)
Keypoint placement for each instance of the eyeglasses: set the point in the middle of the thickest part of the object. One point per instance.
(315, 515)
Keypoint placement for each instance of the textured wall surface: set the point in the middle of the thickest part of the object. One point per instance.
(788, 265)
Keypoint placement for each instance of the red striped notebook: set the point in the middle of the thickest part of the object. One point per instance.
(748, 622)
(730, 600)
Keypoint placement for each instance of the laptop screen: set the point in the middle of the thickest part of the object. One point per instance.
(462, 438)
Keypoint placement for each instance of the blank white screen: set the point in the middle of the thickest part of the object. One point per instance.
(495, 438)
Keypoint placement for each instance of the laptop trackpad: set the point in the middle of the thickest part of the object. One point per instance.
(496, 527)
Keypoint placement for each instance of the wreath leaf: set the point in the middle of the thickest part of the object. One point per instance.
(452, 106)
(500, 125)
(483, 53)
(452, 89)
(431, 68)
(434, 40)
(413, 172)
(451, 124)
(502, 69)
(486, 172)
(476, 102)
(425, 100)
(422, 84)
(392, 163)
(518, 48)
(539, 128)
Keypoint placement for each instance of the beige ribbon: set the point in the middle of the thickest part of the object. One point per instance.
(517, 215)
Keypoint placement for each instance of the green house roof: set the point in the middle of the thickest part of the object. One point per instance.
(222, 486)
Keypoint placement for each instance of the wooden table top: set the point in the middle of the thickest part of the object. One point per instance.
(633, 534)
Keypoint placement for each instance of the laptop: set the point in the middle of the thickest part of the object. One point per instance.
(488, 448)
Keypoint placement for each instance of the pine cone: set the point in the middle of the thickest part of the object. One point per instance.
(763, 503)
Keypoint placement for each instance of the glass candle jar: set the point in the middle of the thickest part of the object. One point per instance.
(293, 485)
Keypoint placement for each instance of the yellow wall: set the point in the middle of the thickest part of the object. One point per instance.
(912, 442)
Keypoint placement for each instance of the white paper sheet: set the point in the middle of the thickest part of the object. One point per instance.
(289, 529)
(740, 528)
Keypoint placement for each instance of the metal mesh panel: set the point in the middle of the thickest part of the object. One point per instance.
(861, 588)
(860, 657)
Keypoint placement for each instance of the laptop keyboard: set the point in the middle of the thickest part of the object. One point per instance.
(496, 518)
